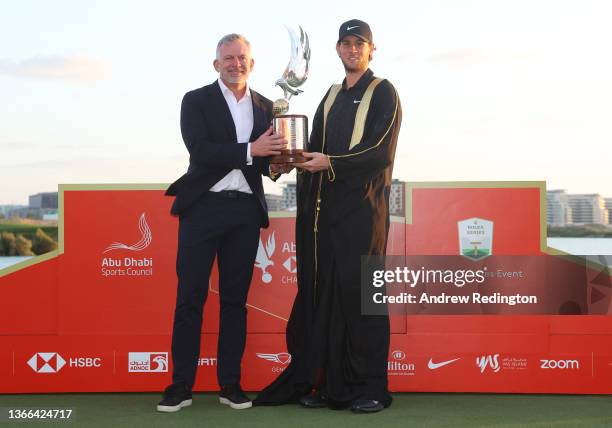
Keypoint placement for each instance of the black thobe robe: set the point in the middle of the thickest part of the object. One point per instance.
(333, 346)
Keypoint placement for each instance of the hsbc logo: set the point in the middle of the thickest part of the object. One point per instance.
(46, 362)
(52, 362)
(291, 264)
(148, 362)
(560, 364)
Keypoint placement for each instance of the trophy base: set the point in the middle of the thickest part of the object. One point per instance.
(289, 156)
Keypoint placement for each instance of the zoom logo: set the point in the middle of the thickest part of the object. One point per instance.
(560, 364)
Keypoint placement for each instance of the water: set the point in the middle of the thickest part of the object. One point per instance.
(582, 246)
(9, 261)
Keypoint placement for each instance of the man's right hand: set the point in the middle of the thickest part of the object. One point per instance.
(268, 144)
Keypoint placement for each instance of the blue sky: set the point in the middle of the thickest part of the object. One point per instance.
(491, 90)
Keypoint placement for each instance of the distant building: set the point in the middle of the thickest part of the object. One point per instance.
(290, 196)
(397, 198)
(274, 202)
(47, 200)
(588, 209)
(8, 211)
(559, 212)
(608, 203)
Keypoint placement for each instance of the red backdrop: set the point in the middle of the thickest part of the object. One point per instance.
(98, 316)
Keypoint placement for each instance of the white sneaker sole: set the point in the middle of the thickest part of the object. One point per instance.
(237, 406)
(171, 409)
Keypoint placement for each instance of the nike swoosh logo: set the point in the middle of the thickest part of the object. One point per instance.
(350, 28)
(433, 366)
(356, 101)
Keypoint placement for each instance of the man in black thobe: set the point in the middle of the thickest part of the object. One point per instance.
(339, 356)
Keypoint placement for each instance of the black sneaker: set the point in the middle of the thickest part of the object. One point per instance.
(176, 396)
(314, 400)
(233, 396)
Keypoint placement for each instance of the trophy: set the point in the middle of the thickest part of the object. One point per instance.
(294, 127)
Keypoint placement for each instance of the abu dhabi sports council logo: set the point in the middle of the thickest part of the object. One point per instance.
(150, 362)
(475, 238)
(144, 242)
(46, 362)
(263, 259)
(282, 358)
(491, 361)
(431, 365)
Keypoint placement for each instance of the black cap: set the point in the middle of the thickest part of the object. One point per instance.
(357, 28)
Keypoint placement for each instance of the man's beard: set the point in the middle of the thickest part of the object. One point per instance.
(357, 67)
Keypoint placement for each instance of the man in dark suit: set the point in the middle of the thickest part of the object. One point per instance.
(221, 206)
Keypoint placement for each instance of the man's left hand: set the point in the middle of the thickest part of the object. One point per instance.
(317, 162)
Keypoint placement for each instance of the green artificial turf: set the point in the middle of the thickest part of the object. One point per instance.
(408, 410)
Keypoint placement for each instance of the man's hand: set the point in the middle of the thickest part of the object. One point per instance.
(268, 144)
(317, 162)
(281, 168)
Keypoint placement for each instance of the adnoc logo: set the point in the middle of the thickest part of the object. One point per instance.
(264, 257)
(144, 242)
(491, 361)
(46, 362)
(151, 362)
(475, 238)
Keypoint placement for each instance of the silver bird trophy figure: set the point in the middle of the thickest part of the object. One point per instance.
(294, 127)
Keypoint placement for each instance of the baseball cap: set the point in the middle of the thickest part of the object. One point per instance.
(357, 28)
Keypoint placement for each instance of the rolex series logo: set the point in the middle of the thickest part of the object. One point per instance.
(475, 238)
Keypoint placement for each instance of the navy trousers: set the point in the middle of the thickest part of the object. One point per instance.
(225, 225)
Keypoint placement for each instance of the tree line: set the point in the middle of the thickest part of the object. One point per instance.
(12, 244)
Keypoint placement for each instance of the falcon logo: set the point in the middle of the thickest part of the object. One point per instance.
(263, 259)
(282, 358)
(46, 362)
(144, 242)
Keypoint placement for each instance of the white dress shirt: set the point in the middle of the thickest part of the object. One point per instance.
(242, 114)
